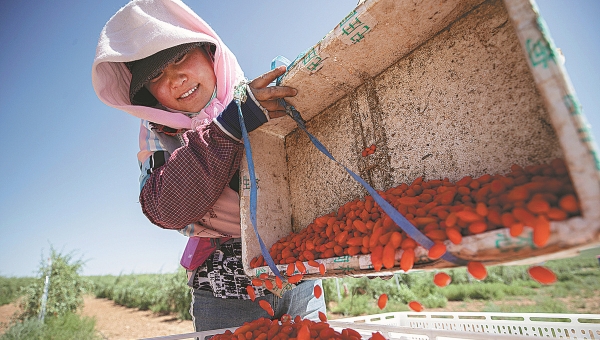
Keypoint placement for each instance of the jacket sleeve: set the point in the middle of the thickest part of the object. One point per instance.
(182, 190)
(254, 116)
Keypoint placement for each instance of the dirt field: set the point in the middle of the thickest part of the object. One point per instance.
(6, 313)
(116, 322)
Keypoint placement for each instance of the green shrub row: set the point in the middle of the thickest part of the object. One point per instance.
(160, 293)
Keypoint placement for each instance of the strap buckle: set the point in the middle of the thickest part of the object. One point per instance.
(240, 94)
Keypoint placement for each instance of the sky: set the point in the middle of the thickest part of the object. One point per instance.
(69, 174)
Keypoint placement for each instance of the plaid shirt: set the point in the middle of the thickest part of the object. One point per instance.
(182, 191)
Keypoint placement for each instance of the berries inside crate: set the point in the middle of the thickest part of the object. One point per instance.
(466, 88)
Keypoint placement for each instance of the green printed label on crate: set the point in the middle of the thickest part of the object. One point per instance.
(509, 244)
(583, 128)
(342, 259)
(246, 185)
(355, 26)
(313, 60)
(345, 269)
(539, 52)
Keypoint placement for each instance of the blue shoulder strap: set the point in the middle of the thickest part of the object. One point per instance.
(263, 247)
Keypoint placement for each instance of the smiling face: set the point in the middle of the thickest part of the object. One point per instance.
(187, 84)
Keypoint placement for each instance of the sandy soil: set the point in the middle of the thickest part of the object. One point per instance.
(116, 322)
(6, 314)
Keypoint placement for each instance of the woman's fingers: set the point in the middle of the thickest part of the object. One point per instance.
(267, 95)
(267, 78)
(262, 91)
(273, 92)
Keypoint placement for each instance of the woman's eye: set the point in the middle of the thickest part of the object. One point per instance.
(155, 78)
(180, 58)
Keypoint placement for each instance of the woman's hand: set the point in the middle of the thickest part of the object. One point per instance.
(267, 95)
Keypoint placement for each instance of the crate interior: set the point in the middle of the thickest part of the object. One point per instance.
(462, 102)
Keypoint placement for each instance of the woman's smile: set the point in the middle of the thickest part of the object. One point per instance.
(188, 93)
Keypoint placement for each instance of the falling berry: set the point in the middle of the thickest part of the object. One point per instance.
(415, 306)
(382, 301)
(301, 267)
(477, 270)
(436, 251)
(442, 279)
(322, 269)
(266, 306)
(318, 291)
(295, 278)
(322, 317)
(291, 268)
(251, 292)
(542, 275)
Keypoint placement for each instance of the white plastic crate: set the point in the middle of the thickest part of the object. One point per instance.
(457, 326)
(474, 325)
(467, 87)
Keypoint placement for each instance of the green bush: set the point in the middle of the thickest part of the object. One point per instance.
(356, 305)
(30, 328)
(67, 326)
(459, 276)
(542, 304)
(483, 291)
(11, 288)
(160, 293)
(421, 285)
(330, 290)
(405, 294)
(506, 274)
(65, 290)
(516, 290)
(526, 284)
(434, 301)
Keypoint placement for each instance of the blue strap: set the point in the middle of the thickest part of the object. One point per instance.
(285, 61)
(394, 214)
(263, 248)
(282, 60)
